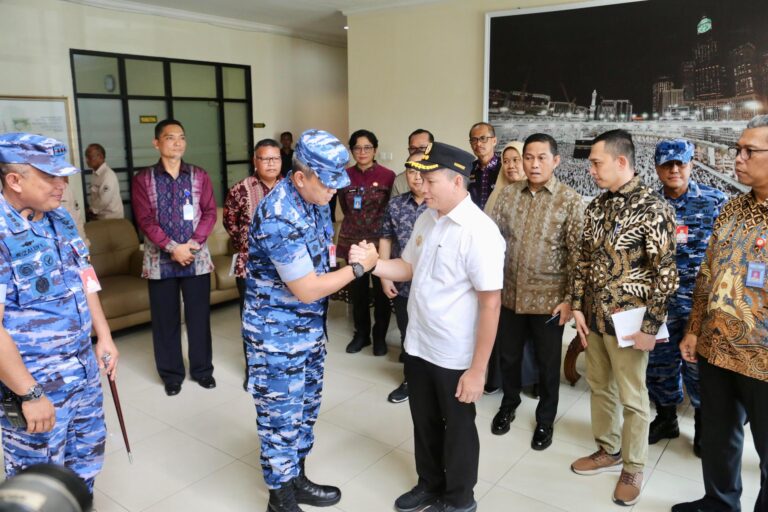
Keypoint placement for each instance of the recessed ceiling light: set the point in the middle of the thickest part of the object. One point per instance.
(346, 27)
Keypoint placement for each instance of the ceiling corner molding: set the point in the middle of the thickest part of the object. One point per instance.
(394, 4)
(218, 21)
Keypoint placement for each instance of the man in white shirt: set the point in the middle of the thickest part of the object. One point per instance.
(455, 260)
(104, 200)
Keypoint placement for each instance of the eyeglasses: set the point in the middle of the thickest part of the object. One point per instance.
(362, 149)
(482, 138)
(744, 153)
(417, 149)
(269, 159)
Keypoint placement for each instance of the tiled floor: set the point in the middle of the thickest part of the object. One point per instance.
(198, 451)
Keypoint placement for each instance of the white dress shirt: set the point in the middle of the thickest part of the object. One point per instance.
(105, 201)
(453, 257)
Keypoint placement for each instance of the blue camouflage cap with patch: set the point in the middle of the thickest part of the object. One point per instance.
(324, 154)
(41, 152)
(670, 150)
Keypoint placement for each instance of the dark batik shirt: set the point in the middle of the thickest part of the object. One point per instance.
(482, 180)
(399, 217)
(627, 257)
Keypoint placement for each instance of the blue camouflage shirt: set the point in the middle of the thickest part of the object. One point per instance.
(399, 217)
(695, 214)
(46, 310)
(288, 239)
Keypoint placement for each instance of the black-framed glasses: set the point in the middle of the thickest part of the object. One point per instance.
(362, 149)
(417, 149)
(269, 159)
(744, 153)
(482, 138)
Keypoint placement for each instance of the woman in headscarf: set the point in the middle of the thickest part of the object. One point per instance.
(511, 171)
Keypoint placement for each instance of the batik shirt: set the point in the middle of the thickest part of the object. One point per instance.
(627, 257)
(482, 180)
(730, 312)
(399, 217)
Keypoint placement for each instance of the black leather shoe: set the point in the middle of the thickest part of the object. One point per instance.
(172, 388)
(542, 437)
(357, 344)
(500, 423)
(283, 499)
(379, 347)
(415, 499)
(694, 506)
(310, 493)
(206, 382)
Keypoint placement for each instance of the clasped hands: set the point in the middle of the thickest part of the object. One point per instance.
(184, 254)
(365, 254)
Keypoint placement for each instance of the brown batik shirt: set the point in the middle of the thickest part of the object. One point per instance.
(730, 310)
(627, 257)
(543, 234)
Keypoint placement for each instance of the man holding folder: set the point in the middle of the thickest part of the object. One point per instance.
(627, 261)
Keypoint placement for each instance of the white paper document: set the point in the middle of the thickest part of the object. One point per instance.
(629, 322)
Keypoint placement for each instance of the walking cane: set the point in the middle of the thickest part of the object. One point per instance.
(116, 398)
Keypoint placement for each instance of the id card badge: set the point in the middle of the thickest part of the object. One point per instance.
(332, 255)
(89, 279)
(755, 274)
(681, 234)
(188, 211)
(357, 202)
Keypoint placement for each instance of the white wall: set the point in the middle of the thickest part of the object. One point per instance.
(297, 84)
(420, 67)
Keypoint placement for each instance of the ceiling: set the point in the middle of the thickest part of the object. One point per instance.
(316, 20)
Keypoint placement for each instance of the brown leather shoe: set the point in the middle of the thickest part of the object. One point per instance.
(627, 490)
(599, 462)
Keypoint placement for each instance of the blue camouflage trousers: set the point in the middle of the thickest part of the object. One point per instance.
(77, 439)
(286, 389)
(667, 370)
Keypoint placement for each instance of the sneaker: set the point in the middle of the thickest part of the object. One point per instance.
(627, 490)
(599, 462)
(400, 394)
(415, 499)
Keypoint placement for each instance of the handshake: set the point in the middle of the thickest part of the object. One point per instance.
(365, 254)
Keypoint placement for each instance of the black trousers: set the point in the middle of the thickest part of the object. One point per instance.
(165, 307)
(728, 399)
(447, 446)
(401, 317)
(547, 341)
(361, 312)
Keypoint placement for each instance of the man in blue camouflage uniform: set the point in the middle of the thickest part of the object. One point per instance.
(46, 358)
(288, 280)
(696, 208)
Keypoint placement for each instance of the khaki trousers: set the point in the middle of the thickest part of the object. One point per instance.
(617, 378)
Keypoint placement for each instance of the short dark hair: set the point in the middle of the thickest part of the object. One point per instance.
(618, 143)
(542, 137)
(266, 143)
(487, 125)
(286, 133)
(159, 127)
(99, 149)
(419, 131)
(363, 133)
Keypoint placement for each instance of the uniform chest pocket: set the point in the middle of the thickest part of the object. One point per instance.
(445, 264)
(41, 286)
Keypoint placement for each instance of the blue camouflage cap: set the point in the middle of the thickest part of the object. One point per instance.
(41, 152)
(324, 154)
(670, 150)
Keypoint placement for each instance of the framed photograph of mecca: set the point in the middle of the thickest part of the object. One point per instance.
(694, 69)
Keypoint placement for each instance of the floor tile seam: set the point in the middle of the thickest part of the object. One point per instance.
(480, 501)
(347, 429)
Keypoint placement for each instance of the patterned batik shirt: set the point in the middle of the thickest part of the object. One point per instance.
(399, 217)
(729, 316)
(695, 214)
(627, 257)
(482, 180)
(543, 235)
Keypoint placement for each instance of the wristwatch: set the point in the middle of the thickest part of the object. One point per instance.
(34, 393)
(358, 270)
